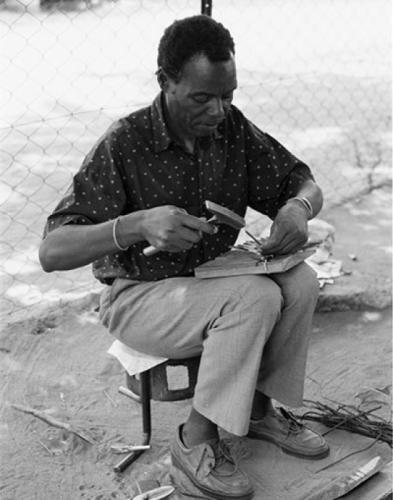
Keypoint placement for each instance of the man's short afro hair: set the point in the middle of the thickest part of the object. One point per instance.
(188, 37)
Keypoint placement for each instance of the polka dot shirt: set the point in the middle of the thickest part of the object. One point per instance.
(137, 165)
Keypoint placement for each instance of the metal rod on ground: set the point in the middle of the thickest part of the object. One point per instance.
(146, 421)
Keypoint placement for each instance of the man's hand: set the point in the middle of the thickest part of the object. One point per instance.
(167, 228)
(289, 231)
(172, 229)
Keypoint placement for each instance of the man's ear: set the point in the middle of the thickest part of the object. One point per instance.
(162, 79)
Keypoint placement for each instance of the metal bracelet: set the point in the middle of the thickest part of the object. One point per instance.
(306, 203)
(115, 241)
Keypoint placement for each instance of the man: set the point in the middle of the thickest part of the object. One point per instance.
(145, 183)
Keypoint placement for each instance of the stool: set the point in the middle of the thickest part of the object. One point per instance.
(156, 383)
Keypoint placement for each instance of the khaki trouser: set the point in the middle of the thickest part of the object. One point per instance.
(252, 332)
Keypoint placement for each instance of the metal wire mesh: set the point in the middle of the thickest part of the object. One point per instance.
(313, 73)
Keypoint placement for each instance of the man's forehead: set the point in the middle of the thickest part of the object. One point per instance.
(202, 73)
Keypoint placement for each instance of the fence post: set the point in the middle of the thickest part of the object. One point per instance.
(206, 7)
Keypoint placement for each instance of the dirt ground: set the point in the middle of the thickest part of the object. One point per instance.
(59, 365)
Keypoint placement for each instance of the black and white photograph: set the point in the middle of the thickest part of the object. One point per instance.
(196, 250)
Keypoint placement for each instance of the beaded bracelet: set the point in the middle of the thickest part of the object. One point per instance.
(306, 203)
(115, 241)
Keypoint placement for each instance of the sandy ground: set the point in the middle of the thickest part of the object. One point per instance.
(59, 365)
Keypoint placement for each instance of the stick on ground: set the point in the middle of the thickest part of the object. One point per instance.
(52, 421)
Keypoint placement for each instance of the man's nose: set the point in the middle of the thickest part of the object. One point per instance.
(216, 108)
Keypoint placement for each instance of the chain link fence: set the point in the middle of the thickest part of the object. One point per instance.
(313, 73)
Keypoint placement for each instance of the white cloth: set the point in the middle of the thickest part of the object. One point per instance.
(133, 361)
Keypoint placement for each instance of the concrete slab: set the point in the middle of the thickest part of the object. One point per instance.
(364, 244)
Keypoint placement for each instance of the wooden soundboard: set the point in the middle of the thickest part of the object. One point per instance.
(238, 261)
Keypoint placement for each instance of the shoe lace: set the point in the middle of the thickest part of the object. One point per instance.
(223, 458)
(294, 426)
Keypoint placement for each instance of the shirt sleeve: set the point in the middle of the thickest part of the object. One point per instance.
(97, 192)
(274, 174)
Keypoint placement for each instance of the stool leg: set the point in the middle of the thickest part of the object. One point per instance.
(146, 422)
(145, 401)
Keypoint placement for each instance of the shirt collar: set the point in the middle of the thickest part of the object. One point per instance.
(161, 134)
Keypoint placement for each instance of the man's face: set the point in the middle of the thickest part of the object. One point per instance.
(198, 102)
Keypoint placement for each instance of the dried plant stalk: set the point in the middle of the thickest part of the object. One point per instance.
(52, 421)
(350, 418)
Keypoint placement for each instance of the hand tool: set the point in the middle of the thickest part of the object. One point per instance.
(156, 493)
(221, 215)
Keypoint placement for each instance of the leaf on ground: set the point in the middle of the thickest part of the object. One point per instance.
(374, 396)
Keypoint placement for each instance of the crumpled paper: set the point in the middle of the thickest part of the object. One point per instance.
(322, 234)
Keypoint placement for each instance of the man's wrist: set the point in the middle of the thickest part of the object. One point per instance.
(303, 202)
(129, 229)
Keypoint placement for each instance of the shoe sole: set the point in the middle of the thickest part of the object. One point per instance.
(215, 496)
(289, 451)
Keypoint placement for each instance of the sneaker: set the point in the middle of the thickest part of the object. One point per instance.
(291, 436)
(211, 468)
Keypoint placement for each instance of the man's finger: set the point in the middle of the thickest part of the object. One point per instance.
(190, 236)
(270, 248)
(273, 243)
(197, 224)
(290, 248)
(289, 244)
